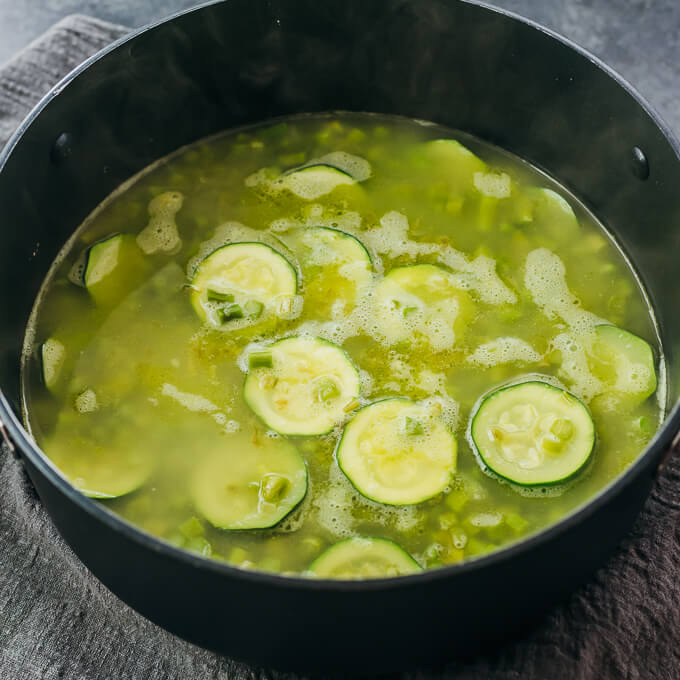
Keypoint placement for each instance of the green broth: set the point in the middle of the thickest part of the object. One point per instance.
(148, 391)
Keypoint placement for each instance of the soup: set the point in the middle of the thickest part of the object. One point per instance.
(342, 346)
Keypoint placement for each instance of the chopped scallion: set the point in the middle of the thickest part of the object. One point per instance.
(217, 296)
(260, 360)
(229, 313)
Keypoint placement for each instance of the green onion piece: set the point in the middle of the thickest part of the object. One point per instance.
(351, 405)
(219, 297)
(192, 528)
(328, 389)
(230, 312)
(253, 309)
(407, 311)
(412, 426)
(516, 522)
(273, 488)
(199, 545)
(260, 360)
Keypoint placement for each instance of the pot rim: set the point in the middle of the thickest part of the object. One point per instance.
(662, 440)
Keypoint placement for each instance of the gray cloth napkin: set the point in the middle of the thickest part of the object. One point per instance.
(58, 621)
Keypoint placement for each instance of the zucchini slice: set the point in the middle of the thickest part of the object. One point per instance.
(359, 558)
(422, 302)
(623, 362)
(99, 470)
(397, 452)
(313, 181)
(114, 267)
(303, 388)
(533, 433)
(336, 268)
(242, 488)
(552, 212)
(239, 283)
(457, 162)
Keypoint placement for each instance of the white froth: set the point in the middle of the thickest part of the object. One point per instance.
(359, 168)
(76, 274)
(545, 279)
(161, 234)
(231, 232)
(354, 169)
(53, 356)
(86, 402)
(478, 275)
(199, 404)
(504, 350)
(333, 508)
(192, 402)
(492, 184)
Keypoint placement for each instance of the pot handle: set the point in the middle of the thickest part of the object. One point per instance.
(673, 448)
(4, 436)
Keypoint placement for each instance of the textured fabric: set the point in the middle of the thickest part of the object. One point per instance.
(58, 621)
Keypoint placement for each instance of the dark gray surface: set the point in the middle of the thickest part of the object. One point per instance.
(639, 38)
(57, 621)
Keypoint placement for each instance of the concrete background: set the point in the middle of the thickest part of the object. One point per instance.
(639, 38)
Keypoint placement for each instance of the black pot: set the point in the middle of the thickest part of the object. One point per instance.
(226, 64)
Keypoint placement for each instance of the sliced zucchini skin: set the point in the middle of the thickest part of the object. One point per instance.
(362, 472)
(350, 239)
(631, 350)
(113, 268)
(97, 471)
(336, 267)
(226, 475)
(417, 281)
(459, 162)
(209, 267)
(340, 560)
(314, 422)
(490, 459)
(314, 181)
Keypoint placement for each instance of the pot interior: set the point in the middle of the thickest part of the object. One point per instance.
(229, 64)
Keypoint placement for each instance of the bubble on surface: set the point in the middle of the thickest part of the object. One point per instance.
(545, 279)
(192, 402)
(236, 232)
(76, 273)
(496, 185)
(478, 275)
(311, 185)
(161, 234)
(86, 402)
(503, 350)
(359, 168)
(53, 356)
(334, 508)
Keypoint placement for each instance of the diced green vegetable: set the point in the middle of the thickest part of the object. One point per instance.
(260, 360)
